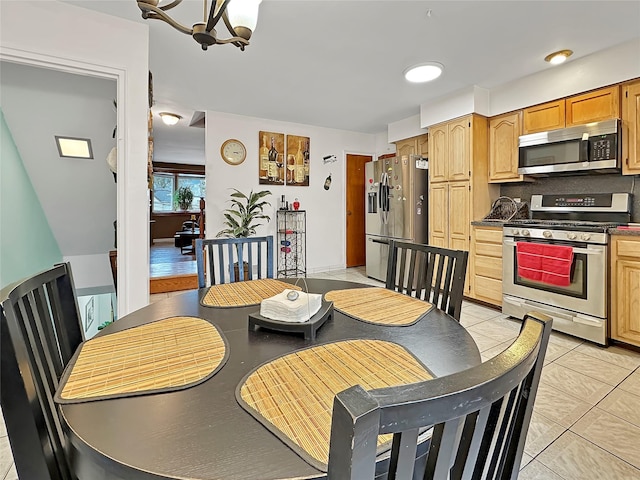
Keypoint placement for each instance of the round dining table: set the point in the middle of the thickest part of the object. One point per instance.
(202, 432)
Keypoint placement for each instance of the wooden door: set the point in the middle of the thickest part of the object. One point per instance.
(631, 126)
(438, 218)
(603, 104)
(459, 160)
(540, 118)
(504, 131)
(438, 153)
(355, 213)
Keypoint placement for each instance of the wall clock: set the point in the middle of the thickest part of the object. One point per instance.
(233, 151)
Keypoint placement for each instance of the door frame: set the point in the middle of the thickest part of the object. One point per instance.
(131, 196)
(344, 197)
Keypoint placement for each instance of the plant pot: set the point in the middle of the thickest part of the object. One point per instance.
(236, 271)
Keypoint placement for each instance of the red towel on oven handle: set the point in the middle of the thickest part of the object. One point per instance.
(545, 263)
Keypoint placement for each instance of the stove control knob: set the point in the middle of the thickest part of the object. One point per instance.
(585, 236)
(571, 236)
(525, 232)
(515, 231)
(547, 234)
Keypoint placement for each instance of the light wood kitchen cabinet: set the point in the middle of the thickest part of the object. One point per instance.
(631, 128)
(595, 106)
(486, 264)
(413, 146)
(625, 289)
(504, 131)
(459, 190)
(540, 118)
(459, 155)
(438, 153)
(439, 215)
(459, 223)
(423, 145)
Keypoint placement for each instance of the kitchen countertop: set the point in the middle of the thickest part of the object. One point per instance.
(488, 223)
(624, 231)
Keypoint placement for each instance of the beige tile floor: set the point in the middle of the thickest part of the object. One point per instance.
(586, 419)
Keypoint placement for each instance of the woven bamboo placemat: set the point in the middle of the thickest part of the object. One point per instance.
(379, 305)
(242, 294)
(170, 354)
(293, 395)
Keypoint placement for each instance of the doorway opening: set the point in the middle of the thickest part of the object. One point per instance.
(177, 199)
(355, 210)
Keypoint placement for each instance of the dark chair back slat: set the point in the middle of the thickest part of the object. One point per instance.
(40, 332)
(480, 418)
(429, 273)
(221, 260)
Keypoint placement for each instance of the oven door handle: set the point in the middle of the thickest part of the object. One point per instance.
(575, 249)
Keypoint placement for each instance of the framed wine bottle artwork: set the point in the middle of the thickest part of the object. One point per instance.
(297, 166)
(271, 158)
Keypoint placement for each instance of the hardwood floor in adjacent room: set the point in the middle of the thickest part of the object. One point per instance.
(169, 269)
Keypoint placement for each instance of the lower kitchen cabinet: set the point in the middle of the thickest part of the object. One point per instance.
(486, 264)
(625, 289)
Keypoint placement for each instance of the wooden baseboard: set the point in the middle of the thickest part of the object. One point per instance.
(173, 283)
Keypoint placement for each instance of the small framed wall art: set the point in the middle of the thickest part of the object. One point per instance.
(271, 158)
(297, 166)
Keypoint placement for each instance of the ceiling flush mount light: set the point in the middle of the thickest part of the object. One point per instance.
(240, 17)
(170, 118)
(556, 58)
(74, 147)
(425, 72)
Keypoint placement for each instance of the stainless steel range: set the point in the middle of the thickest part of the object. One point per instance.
(577, 295)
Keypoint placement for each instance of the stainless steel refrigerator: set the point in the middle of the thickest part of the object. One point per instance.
(396, 195)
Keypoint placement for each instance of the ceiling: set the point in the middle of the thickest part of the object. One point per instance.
(339, 63)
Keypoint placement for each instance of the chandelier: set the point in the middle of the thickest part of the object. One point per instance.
(240, 17)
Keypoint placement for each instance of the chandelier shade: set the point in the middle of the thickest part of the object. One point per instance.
(239, 16)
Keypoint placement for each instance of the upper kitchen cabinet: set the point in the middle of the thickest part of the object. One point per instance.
(438, 153)
(602, 104)
(504, 131)
(413, 146)
(631, 128)
(548, 116)
(454, 146)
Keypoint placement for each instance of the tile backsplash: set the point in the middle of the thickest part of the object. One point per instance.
(606, 183)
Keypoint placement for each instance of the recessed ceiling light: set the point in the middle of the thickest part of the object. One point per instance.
(170, 118)
(425, 72)
(556, 58)
(74, 147)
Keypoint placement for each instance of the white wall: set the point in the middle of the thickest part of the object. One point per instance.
(325, 209)
(405, 128)
(65, 37)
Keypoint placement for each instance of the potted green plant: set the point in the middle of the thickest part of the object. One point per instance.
(184, 197)
(245, 213)
(243, 217)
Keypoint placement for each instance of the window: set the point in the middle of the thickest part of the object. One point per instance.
(166, 184)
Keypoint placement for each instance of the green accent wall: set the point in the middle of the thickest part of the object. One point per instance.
(27, 244)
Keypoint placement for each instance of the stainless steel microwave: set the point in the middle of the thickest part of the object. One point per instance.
(590, 148)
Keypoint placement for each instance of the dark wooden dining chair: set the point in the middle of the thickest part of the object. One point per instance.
(218, 259)
(40, 331)
(429, 273)
(479, 416)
